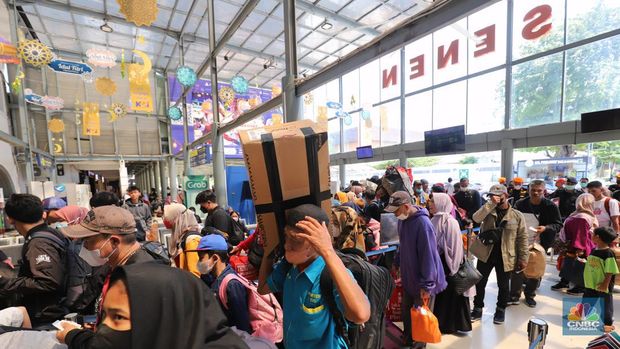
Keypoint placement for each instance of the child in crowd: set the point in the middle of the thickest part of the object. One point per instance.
(308, 321)
(600, 271)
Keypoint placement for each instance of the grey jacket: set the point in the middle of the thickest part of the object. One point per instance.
(142, 213)
(514, 237)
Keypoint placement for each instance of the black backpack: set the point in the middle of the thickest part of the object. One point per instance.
(377, 284)
(77, 271)
(157, 250)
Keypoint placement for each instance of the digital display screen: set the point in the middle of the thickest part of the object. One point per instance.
(365, 152)
(445, 140)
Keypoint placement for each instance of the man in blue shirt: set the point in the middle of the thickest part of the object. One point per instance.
(213, 266)
(308, 323)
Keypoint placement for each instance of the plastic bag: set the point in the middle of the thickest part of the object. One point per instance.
(424, 325)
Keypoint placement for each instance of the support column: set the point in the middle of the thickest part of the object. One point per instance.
(172, 170)
(164, 179)
(291, 103)
(341, 174)
(219, 162)
(157, 176)
(507, 158)
(153, 182)
(402, 159)
(186, 167)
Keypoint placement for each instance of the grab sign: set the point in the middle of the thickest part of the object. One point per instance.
(196, 185)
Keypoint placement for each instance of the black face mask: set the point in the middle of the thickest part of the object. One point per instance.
(204, 210)
(113, 339)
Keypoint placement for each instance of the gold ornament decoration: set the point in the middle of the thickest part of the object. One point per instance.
(16, 85)
(56, 125)
(206, 106)
(226, 94)
(275, 91)
(140, 12)
(105, 86)
(117, 110)
(34, 52)
(308, 99)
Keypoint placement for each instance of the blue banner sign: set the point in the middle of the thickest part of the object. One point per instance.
(70, 67)
(334, 105)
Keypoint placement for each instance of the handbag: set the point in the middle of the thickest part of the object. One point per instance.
(467, 275)
(424, 325)
(480, 250)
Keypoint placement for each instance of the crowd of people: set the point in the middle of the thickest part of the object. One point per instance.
(107, 266)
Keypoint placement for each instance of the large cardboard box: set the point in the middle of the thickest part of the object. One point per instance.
(288, 166)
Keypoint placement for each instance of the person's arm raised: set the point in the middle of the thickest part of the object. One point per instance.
(356, 305)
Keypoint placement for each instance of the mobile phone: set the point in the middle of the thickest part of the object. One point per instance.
(533, 229)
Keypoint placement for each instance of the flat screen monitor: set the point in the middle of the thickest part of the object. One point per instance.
(365, 152)
(445, 140)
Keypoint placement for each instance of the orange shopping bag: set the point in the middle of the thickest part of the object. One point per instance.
(424, 325)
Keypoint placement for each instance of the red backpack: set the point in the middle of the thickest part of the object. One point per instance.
(265, 311)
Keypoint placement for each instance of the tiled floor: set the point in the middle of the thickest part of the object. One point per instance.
(513, 333)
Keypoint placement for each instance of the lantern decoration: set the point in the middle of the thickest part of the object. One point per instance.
(8, 52)
(227, 95)
(117, 110)
(91, 125)
(57, 143)
(139, 85)
(56, 125)
(52, 102)
(240, 84)
(34, 53)
(16, 85)
(206, 106)
(101, 57)
(186, 76)
(308, 99)
(105, 86)
(276, 91)
(143, 12)
(174, 113)
(123, 66)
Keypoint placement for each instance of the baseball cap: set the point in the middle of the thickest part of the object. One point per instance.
(398, 199)
(103, 220)
(498, 189)
(213, 242)
(571, 180)
(518, 180)
(502, 180)
(561, 180)
(53, 203)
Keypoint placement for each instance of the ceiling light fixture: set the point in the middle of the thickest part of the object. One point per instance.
(105, 27)
(326, 25)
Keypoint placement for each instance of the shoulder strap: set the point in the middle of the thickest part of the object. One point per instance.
(222, 290)
(49, 236)
(607, 200)
(327, 292)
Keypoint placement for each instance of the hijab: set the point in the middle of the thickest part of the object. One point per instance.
(173, 309)
(449, 241)
(585, 209)
(72, 214)
(183, 220)
(351, 196)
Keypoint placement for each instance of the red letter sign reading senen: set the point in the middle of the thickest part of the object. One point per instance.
(391, 78)
(486, 44)
(453, 53)
(538, 15)
(417, 67)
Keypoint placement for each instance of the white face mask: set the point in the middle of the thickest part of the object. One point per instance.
(463, 188)
(204, 267)
(93, 258)
(403, 216)
(570, 187)
(60, 225)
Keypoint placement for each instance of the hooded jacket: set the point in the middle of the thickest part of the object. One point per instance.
(170, 309)
(142, 213)
(418, 257)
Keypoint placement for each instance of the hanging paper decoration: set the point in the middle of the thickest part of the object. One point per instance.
(56, 125)
(105, 86)
(16, 85)
(34, 52)
(57, 146)
(117, 110)
(308, 99)
(276, 91)
(186, 76)
(143, 12)
(91, 125)
(174, 113)
(365, 115)
(353, 101)
(333, 105)
(348, 120)
(240, 84)
(276, 119)
(322, 117)
(8, 52)
(123, 66)
(32, 97)
(71, 67)
(139, 84)
(52, 103)
(101, 57)
(227, 95)
(140, 39)
(254, 101)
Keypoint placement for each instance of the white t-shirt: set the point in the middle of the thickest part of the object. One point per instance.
(601, 213)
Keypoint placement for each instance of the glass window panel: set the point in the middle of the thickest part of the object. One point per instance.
(589, 18)
(351, 90)
(390, 75)
(370, 78)
(450, 52)
(452, 113)
(356, 172)
(592, 78)
(418, 64)
(487, 42)
(333, 130)
(370, 128)
(486, 102)
(351, 132)
(390, 123)
(418, 116)
(536, 87)
(538, 26)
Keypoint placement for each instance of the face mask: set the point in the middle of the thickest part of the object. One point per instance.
(204, 210)
(583, 185)
(113, 339)
(463, 188)
(60, 225)
(93, 258)
(402, 217)
(418, 191)
(204, 268)
(570, 187)
(517, 187)
(236, 219)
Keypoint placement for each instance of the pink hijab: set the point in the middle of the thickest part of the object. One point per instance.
(72, 214)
